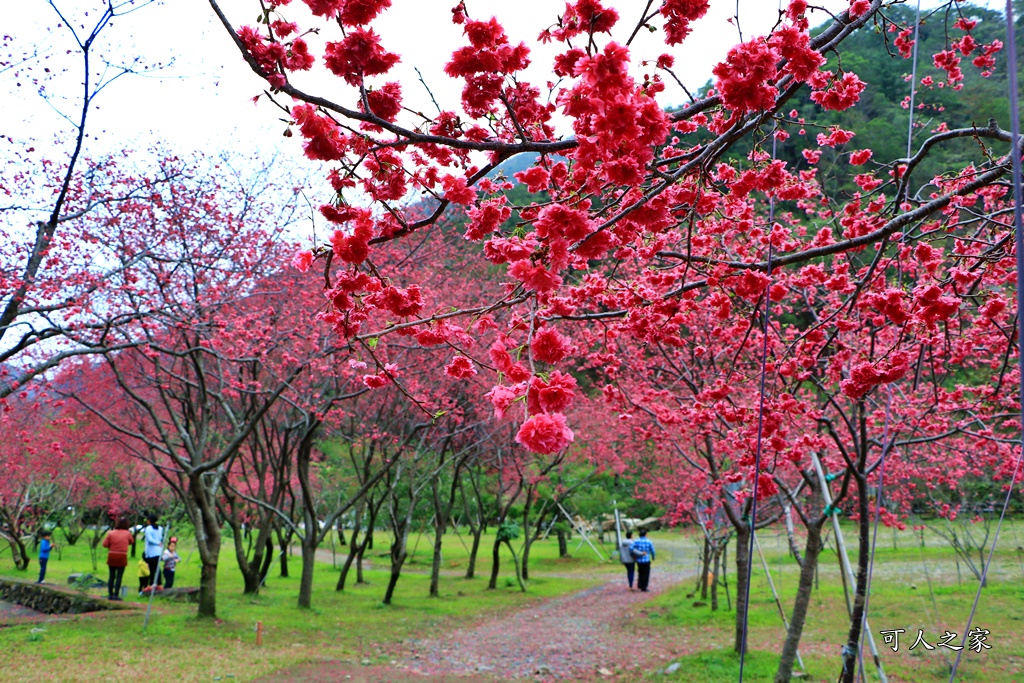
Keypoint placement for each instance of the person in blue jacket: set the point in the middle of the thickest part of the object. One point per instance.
(643, 551)
(44, 554)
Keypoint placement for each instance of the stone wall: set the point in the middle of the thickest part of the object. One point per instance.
(49, 600)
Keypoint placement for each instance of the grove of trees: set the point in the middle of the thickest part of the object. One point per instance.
(540, 293)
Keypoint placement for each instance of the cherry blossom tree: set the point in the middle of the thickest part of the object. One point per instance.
(183, 402)
(54, 203)
(852, 297)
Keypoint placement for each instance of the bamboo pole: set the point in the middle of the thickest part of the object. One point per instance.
(845, 560)
(775, 594)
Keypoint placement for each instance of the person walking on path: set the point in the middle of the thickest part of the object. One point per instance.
(116, 542)
(170, 559)
(643, 551)
(154, 535)
(626, 557)
(44, 554)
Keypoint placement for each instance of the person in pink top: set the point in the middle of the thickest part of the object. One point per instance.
(117, 541)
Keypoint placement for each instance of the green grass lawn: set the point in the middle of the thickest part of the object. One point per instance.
(345, 626)
(353, 625)
(900, 599)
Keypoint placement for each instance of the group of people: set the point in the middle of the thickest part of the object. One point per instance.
(637, 557)
(117, 542)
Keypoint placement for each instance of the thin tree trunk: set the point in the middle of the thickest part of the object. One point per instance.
(851, 648)
(563, 543)
(205, 519)
(515, 561)
(742, 564)
(714, 579)
(398, 555)
(527, 536)
(208, 590)
(435, 565)
(725, 574)
(800, 605)
(366, 544)
(474, 548)
(495, 565)
(794, 549)
(353, 550)
(268, 558)
(250, 569)
(20, 554)
(284, 538)
(705, 568)
(309, 544)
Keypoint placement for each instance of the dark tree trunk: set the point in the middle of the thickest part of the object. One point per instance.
(851, 648)
(396, 573)
(284, 539)
(309, 544)
(398, 555)
(563, 543)
(805, 586)
(251, 568)
(206, 520)
(353, 549)
(208, 590)
(367, 544)
(515, 561)
(94, 544)
(435, 565)
(527, 535)
(705, 569)
(495, 565)
(268, 558)
(474, 548)
(714, 578)
(19, 552)
(742, 597)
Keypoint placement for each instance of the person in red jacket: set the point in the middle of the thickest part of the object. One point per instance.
(117, 541)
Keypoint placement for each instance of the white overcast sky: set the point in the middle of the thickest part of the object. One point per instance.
(203, 101)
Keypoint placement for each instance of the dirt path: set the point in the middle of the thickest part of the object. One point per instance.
(570, 638)
(582, 636)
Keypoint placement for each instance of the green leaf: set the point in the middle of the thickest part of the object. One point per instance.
(372, 342)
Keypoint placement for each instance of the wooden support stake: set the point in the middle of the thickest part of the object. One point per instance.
(259, 634)
(775, 594)
(845, 560)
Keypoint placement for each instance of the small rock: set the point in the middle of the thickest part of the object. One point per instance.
(672, 668)
(365, 661)
(604, 672)
(913, 587)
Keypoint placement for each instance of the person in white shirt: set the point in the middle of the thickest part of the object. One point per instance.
(154, 537)
(626, 557)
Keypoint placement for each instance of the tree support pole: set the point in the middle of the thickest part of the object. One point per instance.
(845, 560)
(579, 530)
(153, 579)
(778, 603)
